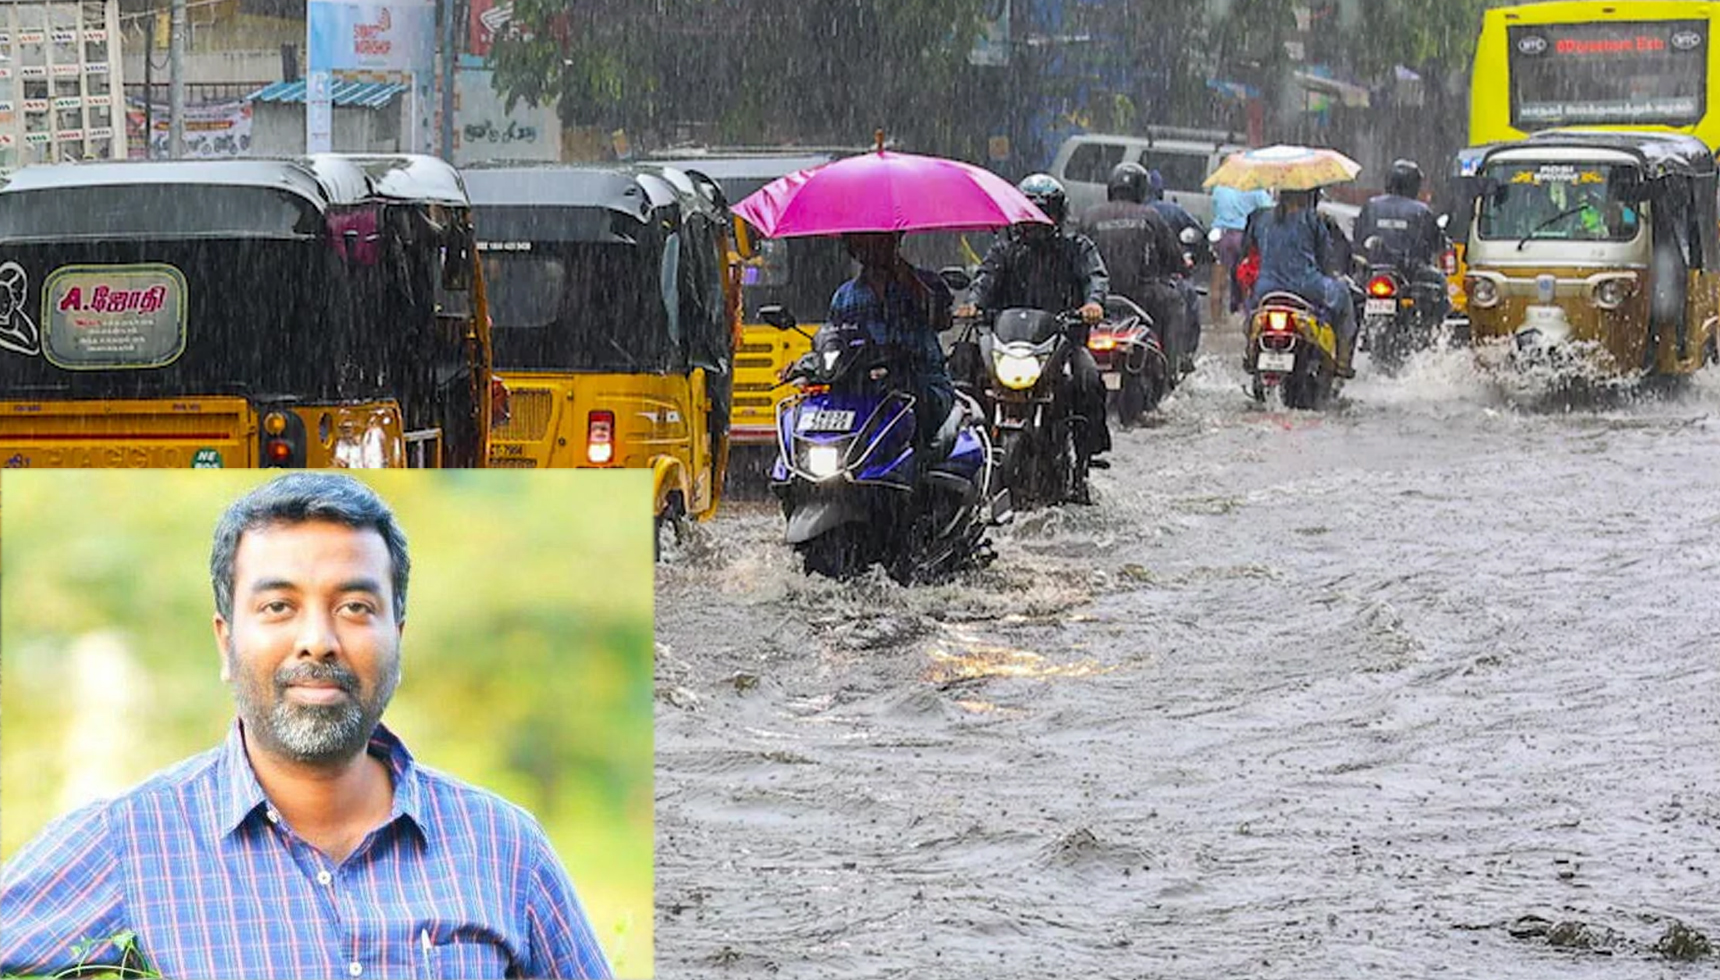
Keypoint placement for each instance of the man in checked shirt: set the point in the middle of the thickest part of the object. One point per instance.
(310, 843)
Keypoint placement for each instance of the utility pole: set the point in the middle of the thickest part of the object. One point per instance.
(450, 64)
(176, 82)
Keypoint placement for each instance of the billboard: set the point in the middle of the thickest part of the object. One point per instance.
(375, 35)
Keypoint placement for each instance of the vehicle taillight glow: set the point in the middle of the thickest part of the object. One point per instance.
(1101, 342)
(280, 452)
(1448, 262)
(600, 437)
(1278, 320)
(1382, 287)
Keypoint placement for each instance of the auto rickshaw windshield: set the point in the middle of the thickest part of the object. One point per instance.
(1558, 201)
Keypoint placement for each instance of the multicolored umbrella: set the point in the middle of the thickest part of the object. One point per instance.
(886, 191)
(1284, 168)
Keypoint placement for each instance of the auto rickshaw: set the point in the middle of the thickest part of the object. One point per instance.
(615, 299)
(319, 311)
(1597, 250)
(797, 274)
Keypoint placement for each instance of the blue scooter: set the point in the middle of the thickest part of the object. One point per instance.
(849, 475)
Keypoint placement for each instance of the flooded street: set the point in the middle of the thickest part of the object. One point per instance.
(1424, 686)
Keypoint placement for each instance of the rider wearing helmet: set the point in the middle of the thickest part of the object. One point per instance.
(1043, 267)
(1186, 343)
(1142, 255)
(1409, 237)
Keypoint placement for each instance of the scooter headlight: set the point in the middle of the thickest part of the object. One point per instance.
(823, 462)
(1017, 371)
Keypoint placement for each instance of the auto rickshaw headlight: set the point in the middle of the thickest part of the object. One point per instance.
(1482, 292)
(1610, 294)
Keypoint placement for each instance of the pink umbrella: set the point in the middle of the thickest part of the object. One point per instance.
(885, 191)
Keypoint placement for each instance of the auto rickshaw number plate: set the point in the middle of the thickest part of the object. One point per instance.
(827, 420)
(1380, 307)
(1275, 360)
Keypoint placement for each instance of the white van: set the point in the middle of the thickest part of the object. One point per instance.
(1183, 157)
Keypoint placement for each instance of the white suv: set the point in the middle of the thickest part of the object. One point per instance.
(1183, 157)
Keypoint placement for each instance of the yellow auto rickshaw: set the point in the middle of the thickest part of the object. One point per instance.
(1597, 250)
(797, 274)
(614, 296)
(319, 311)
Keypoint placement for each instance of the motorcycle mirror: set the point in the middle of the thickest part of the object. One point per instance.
(1188, 236)
(1373, 242)
(1214, 235)
(777, 316)
(1444, 219)
(955, 277)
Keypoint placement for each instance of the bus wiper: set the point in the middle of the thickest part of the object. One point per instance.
(1562, 215)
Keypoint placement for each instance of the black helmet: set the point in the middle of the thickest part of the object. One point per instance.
(1404, 180)
(1044, 191)
(1128, 183)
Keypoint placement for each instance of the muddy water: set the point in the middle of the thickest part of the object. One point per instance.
(1406, 689)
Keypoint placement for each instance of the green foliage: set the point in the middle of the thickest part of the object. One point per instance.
(827, 69)
(527, 651)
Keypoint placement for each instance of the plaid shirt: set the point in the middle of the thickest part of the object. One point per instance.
(901, 319)
(198, 864)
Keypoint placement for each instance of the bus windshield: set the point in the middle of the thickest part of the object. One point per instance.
(1563, 201)
(1614, 72)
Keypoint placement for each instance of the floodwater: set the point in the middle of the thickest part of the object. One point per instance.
(1425, 686)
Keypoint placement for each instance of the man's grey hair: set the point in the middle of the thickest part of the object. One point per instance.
(298, 498)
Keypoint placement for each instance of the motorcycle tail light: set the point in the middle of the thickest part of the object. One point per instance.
(1278, 320)
(1101, 342)
(1382, 287)
(1448, 262)
(600, 437)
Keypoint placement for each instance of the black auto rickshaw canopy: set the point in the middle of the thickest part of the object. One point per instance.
(1659, 155)
(307, 279)
(604, 269)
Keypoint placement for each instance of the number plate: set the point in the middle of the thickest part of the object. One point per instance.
(1275, 360)
(826, 420)
(1380, 307)
(1114, 380)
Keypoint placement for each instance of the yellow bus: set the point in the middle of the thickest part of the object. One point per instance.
(1644, 65)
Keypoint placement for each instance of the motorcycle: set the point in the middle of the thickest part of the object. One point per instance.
(1026, 355)
(848, 472)
(1131, 358)
(1401, 314)
(1291, 349)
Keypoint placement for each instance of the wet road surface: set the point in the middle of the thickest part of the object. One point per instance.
(1422, 686)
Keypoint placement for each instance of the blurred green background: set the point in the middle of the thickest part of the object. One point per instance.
(527, 658)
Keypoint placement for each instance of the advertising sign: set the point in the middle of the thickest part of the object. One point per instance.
(113, 316)
(211, 131)
(486, 19)
(484, 132)
(379, 35)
